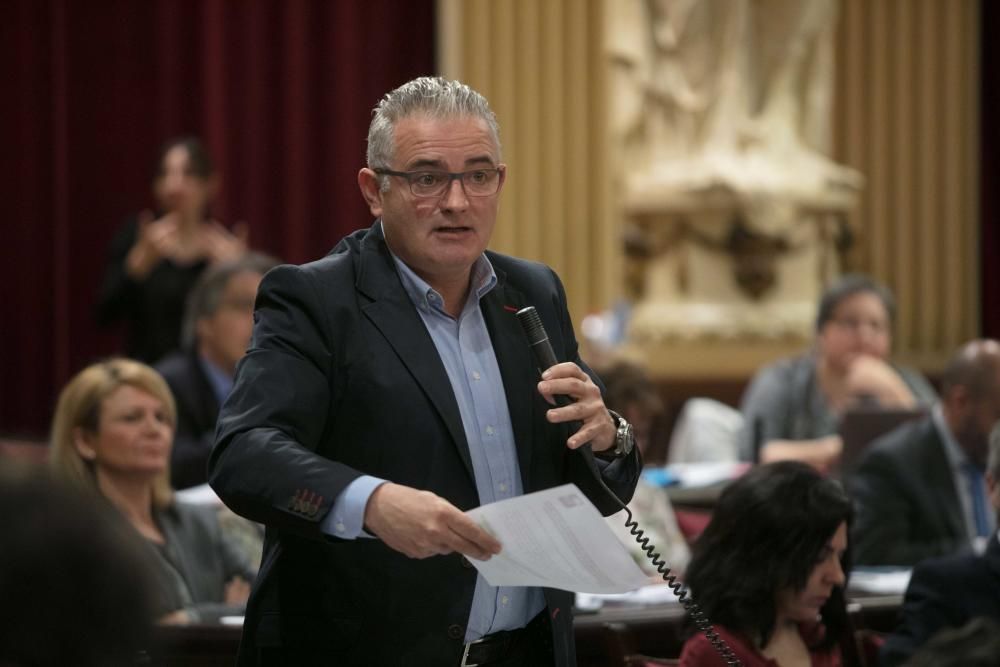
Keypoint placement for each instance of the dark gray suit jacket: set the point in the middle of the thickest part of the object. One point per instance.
(197, 411)
(945, 593)
(190, 571)
(907, 506)
(342, 379)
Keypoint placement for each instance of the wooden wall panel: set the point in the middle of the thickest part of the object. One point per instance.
(906, 115)
(541, 66)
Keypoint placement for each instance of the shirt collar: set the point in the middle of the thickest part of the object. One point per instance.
(220, 381)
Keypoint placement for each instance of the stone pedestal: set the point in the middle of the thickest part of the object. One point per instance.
(735, 216)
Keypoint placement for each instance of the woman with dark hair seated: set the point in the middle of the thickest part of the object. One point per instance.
(770, 568)
(792, 408)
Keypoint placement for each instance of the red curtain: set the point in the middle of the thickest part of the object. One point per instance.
(281, 91)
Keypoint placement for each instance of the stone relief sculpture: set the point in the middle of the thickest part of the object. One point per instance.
(721, 123)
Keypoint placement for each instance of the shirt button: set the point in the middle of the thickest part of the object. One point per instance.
(341, 527)
(502, 487)
(504, 600)
(489, 430)
(476, 375)
(456, 631)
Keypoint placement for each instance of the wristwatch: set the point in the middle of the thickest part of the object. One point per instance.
(624, 437)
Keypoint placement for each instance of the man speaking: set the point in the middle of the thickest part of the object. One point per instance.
(389, 388)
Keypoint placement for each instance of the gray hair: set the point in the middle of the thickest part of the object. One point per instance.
(436, 97)
(206, 296)
(993, 458)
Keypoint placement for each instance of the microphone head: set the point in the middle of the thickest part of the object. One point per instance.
(532, 325)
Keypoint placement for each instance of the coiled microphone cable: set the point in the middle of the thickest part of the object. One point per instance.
(545, 358)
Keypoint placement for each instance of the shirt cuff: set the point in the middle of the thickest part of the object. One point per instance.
(347, 516)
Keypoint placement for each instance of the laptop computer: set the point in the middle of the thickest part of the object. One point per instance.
(862, 424)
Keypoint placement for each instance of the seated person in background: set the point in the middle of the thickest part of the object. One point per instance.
(770, 568)
(920, 489)
(111, 433)
(975, 644)
(629, 391)
(217, 327)
(154, 261)
(951, 591)
(792, 407)
(706, 431)
(73, 585)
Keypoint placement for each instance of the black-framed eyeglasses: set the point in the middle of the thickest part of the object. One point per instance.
(433, 183)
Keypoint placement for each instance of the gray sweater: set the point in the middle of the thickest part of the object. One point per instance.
(784, 402)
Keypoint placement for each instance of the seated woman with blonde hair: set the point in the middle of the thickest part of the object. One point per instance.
(112, 433)
(769, 571)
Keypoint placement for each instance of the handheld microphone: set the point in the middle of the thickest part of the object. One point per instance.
(545, 358)
(541, 348)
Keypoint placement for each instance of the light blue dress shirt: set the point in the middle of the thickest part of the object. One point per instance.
(466, 351)
(221, 381)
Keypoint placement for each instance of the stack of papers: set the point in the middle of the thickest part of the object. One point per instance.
(653, 594)
(688, 475)
(880, 580)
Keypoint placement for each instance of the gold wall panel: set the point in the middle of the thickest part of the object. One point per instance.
(541, 65)
(906, 115)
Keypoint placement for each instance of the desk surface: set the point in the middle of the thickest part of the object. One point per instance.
(660, 630)
(654, 630)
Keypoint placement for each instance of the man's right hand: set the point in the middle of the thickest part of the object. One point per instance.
(421, 524)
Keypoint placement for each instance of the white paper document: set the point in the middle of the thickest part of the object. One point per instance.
(555, 538)
(880, 580)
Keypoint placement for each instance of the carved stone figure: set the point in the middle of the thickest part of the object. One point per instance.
(721, 120)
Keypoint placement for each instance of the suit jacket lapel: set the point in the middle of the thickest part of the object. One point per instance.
(992, 555)
(517, 367)
(394, 315)
(942, 479)
(207, 406)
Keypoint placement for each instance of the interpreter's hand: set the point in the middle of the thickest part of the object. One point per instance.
(597, 427)
(154, 240)
(237, 591)
(221, 245)
(421, 524)
(871, 376)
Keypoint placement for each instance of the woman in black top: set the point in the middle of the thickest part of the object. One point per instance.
(155, 259)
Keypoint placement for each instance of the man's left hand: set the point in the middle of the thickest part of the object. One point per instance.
(597, 427)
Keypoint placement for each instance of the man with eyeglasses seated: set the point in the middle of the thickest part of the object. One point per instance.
(388, 389)
(215, 333)
(921, 489)
(951, 591)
